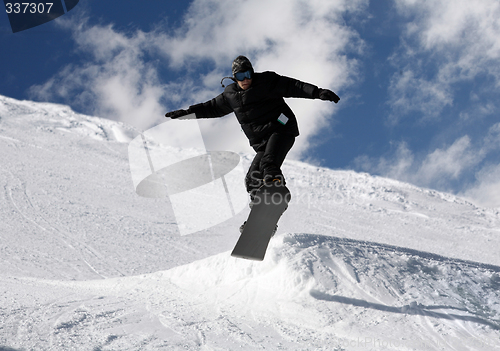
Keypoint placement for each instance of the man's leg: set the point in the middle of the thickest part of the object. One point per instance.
(270, 158)
(254, 177)
(274, 155)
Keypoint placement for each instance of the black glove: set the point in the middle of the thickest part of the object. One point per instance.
(176, 114)
(325, 94)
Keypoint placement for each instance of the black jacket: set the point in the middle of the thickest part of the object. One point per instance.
(259, 107)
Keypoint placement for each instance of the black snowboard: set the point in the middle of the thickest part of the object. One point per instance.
(268, 205)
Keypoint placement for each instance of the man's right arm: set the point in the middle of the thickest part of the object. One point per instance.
(217, 107)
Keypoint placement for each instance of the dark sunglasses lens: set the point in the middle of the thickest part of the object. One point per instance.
(242, 75)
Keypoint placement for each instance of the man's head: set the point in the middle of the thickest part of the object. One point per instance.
(243, 72)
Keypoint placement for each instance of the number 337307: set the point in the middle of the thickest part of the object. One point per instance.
(26, 7)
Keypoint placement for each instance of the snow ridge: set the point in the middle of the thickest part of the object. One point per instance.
(332, 283)
(54, 118)
(358, 263)
(357, 273)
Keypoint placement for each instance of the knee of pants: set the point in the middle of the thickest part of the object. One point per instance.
(271, 170)
(268, 162)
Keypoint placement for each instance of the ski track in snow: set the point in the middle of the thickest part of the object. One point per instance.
(359, 262)
(311, 290)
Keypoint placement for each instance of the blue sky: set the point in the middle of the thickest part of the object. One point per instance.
(419, 81)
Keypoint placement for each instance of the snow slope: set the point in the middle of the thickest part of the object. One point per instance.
(358, 263)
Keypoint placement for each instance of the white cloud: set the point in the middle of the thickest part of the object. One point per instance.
(118, 83)
(398, 166)
(443, 165)
(443, 168)
(486, 190)
(307, 40)
(448, 61)
(445, 42)
(304, 40)
(436, 169)
(409, 92)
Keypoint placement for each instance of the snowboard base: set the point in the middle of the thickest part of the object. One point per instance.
(268, 205)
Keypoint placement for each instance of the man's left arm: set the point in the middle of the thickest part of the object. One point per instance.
(326, 94)
(291, 87)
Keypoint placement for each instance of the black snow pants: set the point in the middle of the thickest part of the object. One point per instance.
(268, 160)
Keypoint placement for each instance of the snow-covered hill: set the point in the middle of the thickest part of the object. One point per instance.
(358, 263)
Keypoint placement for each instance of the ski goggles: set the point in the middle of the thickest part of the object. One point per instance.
(242, 75)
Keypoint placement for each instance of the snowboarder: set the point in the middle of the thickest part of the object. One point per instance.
(270, 125)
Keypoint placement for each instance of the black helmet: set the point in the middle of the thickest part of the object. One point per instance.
(241, 64)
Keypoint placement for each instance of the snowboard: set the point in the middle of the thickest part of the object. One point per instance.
(269, 203)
